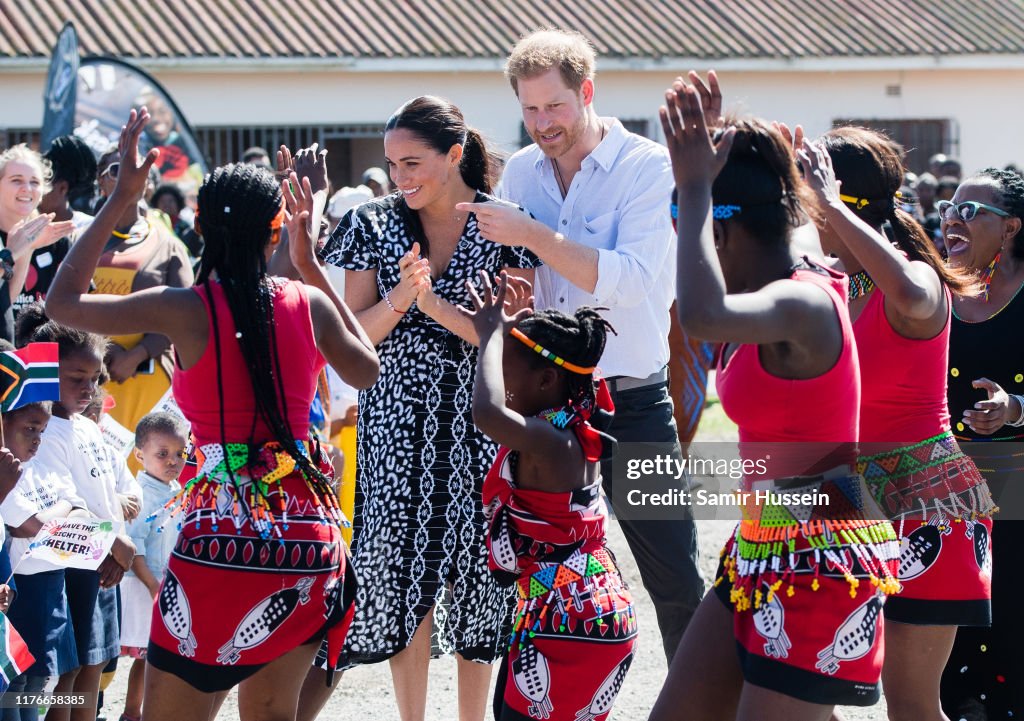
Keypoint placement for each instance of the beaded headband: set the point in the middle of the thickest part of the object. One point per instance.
(278, 220)
(861, 202)
(538, 348)
(724, 212)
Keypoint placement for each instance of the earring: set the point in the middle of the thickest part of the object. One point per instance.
(509, 395)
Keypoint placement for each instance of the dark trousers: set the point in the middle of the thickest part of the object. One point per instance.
(665, 551)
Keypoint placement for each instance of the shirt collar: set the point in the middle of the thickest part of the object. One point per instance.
(605, 152)
(608, 149)
(147, 479)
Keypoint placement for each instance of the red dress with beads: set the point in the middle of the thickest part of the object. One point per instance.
(806, 581)
(575, 627)
(259, 567)
(937, 499)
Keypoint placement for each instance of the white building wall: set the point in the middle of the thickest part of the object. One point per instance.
(981, 103)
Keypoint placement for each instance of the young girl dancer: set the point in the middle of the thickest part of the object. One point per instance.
(793, 628)
(535, 394)
(900, 300)
(257, 578)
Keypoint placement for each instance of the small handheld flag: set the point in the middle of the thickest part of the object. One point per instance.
(28, 375)
(15, 658)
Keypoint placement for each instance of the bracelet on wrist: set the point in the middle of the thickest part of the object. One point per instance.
(1020, 419)
(387, 299)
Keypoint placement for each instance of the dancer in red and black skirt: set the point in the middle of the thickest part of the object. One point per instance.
(901, 301)
(535, 394)
(258, 576)
(793, 627)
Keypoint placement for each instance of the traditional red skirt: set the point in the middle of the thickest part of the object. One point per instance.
(807, 595)
(940, 505)
(258, 570)
(572, 642)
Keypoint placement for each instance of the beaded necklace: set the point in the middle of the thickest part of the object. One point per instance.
(860, 285)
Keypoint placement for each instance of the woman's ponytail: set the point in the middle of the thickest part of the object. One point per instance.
(476, 165)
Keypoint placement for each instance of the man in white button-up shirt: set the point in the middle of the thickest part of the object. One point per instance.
(600, 196)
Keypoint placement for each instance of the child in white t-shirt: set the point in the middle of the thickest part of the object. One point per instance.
(160, 442)
(39, 495)
(73, 446)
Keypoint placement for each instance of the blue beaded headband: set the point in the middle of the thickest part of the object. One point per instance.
(724, 212)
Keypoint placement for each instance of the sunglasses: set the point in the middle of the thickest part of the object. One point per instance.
(111, 170)
(967, 210)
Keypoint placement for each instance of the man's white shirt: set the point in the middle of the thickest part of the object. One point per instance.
(618, 204)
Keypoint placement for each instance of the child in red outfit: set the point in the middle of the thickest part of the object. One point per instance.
(535, 394)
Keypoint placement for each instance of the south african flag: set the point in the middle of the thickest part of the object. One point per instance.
(28, 375)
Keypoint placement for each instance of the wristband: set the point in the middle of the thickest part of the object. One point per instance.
(1020, 420)
(387, 299)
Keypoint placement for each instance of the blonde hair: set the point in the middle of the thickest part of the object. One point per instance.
(23, 153)
(542, 50)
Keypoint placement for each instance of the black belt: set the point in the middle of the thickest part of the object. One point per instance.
(618, 384)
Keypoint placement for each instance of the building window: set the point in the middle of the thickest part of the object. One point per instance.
(350, 148)
(12, 136)
(920, 138)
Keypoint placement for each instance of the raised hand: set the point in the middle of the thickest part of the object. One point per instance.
(794, 137)
(298, 208)
(313, 165)
(818, 173)
(519, 294)
(133, 175)
(695, 157)
(489, 311)
(710, 97)
(285, 163)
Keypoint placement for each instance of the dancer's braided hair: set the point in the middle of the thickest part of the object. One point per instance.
(236, 206)
(579, 338)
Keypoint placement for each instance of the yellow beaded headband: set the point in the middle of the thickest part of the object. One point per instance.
(538, 348)
(861, 202)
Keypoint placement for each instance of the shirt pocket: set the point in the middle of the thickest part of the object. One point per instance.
(602, 230)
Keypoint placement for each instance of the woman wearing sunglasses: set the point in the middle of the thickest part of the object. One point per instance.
(982, 230)
(140, 254)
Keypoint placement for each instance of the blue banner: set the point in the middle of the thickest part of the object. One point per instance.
(61, 86)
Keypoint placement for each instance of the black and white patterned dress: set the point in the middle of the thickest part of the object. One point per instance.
(418, 539)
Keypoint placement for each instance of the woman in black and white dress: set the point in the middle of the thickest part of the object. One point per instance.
(418, 542)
